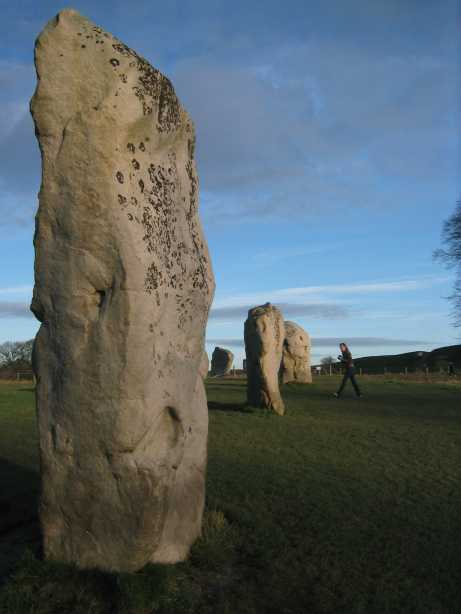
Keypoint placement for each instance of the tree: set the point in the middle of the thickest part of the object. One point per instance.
(451, 257)
(11, 351)
(326, 361)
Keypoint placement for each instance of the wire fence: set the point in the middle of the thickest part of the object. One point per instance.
(450, 372)
(25, 375)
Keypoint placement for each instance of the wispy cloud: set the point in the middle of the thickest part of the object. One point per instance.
(362, 288)
(15, 310)
(367, 341)
(269, 256)
(318, 294)
(314, 310)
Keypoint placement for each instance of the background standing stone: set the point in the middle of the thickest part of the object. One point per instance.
(264, 334)
(296, 359)
(221, 361)
(123, 285)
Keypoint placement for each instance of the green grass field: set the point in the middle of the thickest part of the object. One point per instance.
(340, 506)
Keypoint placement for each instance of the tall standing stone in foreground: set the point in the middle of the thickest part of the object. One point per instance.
(296, 359)
(221, 361)
(123, 285)
(264, 334)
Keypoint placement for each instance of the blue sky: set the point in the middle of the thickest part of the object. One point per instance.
(327, 149)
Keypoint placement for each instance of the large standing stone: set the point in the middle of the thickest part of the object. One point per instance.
(123, 285)
(221, 361)
(264, 334)
(296, 359)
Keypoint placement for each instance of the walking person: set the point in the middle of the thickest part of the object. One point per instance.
(346, 360)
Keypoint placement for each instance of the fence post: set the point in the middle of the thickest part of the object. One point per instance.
(360, 370)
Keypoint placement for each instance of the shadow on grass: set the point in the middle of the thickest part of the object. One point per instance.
(237, 407)
(19, 527)
(383, 400)
(212, 382)
(25, 390)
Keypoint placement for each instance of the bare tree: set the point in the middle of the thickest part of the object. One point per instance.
(326, 361)
(11, 351)
(450, 256)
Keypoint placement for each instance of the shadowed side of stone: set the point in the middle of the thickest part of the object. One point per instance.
(296, 359)
(264, 334)
(123, 286)
(204, 365)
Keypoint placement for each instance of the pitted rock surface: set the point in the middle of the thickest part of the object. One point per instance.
(123, 285)
(221, 361)
(264, 334)
(296, 359)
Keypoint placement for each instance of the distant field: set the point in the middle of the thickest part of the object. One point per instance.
(340, 506)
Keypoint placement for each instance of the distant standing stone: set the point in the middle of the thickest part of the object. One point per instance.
(296, 360)
(221, 361)
(264, 334)
(123, 285)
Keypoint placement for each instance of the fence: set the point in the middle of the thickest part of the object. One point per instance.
(394, 370)
(27, 375)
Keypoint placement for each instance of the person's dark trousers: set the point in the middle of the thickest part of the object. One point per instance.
(350, 374)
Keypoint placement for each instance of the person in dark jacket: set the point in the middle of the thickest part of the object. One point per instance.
(346, 360)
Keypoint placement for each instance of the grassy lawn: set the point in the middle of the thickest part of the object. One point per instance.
(340, 506)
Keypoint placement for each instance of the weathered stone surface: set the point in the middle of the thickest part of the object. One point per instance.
(204, 365)
(296, 359)
(221, 361)
(264, 334)
(123, 285)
